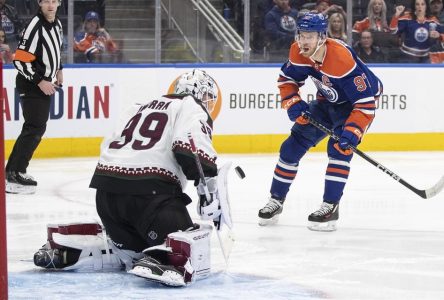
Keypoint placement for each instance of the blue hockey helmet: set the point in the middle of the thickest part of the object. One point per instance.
(312, 22)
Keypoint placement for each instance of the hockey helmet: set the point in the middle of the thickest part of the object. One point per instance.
(312, 22)
(200, 85)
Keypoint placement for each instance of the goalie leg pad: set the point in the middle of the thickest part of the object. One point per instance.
(188, 256)
(191, 247)
(80, 246)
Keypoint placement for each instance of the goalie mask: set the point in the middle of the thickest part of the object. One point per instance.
(200, 85)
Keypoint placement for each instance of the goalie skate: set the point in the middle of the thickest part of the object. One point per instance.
(269, 214)
(153, 270)
(324, 219)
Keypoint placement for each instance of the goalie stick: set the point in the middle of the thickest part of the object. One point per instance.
(426, 194)
(224, 246)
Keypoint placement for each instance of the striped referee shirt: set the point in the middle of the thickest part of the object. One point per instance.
(38, 53)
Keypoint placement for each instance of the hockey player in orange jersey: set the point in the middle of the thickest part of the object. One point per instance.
(345, 102)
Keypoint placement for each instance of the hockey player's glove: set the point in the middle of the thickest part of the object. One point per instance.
(295, 107)
(350, 137)
(208, 209)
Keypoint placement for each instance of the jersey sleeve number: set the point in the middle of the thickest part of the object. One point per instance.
(150, 130)
(359, 81)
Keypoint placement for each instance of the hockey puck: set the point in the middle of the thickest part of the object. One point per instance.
(240, 172)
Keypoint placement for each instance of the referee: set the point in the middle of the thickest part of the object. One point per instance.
(39, 67)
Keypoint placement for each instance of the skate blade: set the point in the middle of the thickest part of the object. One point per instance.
(325, 227)
(165, 279)
(13, 188)
(267, 222)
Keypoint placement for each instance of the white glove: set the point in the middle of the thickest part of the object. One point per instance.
(208, 209)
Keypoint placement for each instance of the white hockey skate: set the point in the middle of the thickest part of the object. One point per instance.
(324, 219)
(269, 214)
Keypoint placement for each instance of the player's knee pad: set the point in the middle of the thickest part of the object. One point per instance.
(188, 258)
(80, 246)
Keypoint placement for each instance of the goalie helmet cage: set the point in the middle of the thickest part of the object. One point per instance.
(3, 255)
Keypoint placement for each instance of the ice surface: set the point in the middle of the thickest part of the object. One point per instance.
(389, 245)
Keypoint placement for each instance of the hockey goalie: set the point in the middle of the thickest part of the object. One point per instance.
(140, 180)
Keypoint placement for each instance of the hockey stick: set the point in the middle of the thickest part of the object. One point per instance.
(217, 224)
(426, 194)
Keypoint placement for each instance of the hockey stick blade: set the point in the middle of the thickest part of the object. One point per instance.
(434, 190)
(426, 194)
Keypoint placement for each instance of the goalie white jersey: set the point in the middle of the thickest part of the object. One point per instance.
(149, 152)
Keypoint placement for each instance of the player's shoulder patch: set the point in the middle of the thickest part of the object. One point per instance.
(338, 60)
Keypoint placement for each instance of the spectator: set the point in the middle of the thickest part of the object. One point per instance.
(336, 27)
(367, 51)
(5, 51)
(257, 34)
(436, 9)
(280, 24)
(94, 41)
(82, 7)
(419, 30)
(376, 19)
(10, 22)
(325, 7)
(436, 53)
(322, 5)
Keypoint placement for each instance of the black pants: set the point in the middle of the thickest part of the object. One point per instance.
(35, 106)
(136, 222)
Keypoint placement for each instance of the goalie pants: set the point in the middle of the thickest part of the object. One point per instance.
(35, 106)
(305, 136)
(136, 222)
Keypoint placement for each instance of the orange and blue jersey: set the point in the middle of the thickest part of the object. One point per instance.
(364, 24)
(417, 41)
(340, 77)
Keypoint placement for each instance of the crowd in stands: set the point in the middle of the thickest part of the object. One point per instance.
(384, 31)
(92, 43)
